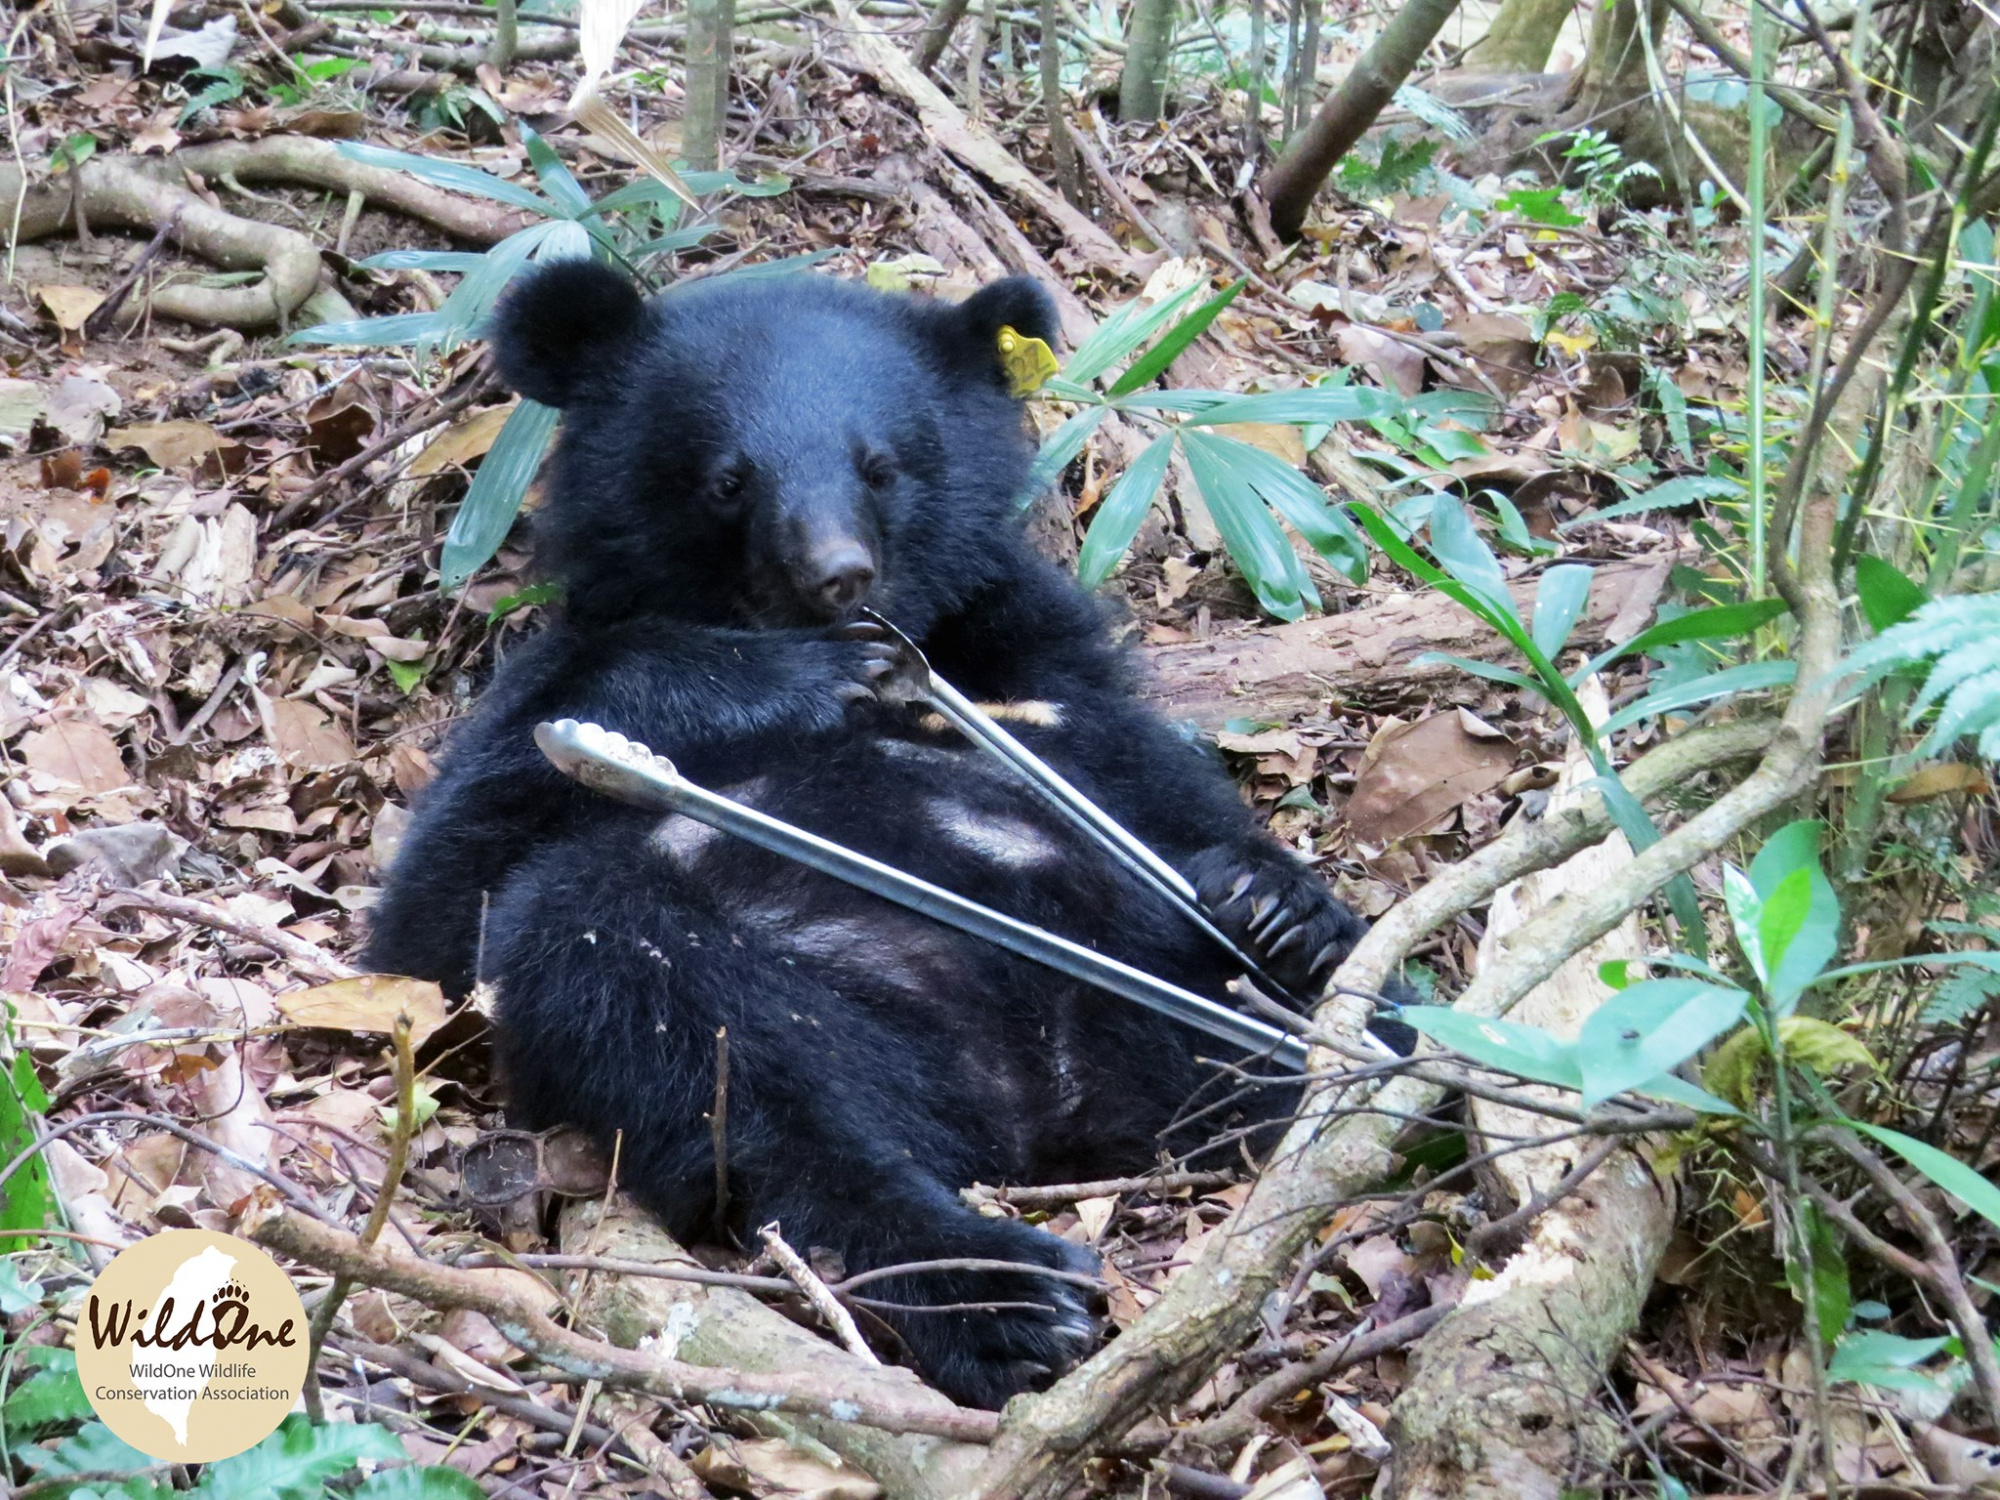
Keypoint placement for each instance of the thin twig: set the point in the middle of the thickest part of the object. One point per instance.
(838, 1318)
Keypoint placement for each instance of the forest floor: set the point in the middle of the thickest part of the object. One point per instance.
(224, 678)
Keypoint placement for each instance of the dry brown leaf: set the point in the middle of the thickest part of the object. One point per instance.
(368, 1002)
(171, 445)
(1941, 780)
(304, 734)
(466, 439)
(70, 305)
(1390, 360)
(78, 753)
(772, 1466)
(1414, 774)
(1279, 439)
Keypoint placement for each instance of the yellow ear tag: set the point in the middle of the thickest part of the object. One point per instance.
(1028, 362)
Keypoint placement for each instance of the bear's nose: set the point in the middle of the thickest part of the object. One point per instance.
(840, 574)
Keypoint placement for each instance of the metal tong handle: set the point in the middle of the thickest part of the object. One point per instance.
(620, 768)
(921, 682)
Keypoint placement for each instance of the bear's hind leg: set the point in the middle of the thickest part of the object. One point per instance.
(613, 981)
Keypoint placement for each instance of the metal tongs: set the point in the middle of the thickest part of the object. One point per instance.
(912, 680)
(617, 767)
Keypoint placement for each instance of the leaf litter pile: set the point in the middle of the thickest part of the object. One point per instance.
(228, 662)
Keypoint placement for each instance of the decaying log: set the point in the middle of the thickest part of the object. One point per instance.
(1367, 657)
(1500, 1403)
(716, 1325)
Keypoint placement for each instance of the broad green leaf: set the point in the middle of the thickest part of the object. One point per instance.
(448, 174)
(1828, 1294)
(377, 333)
(1121, 333)
(1650, 1029)
(566, 240)
(410, 1482)
(1300, 502)
(460, 261)
(1255, 543)
(1121, 513)
(1463, 553)
(26, 1201)
(1490, 671)
(1062, 445)
(1559, 600)
(1318, 404)
(1149, 366)
(1720, 622)
(1784, 913)
(1670, 1089)
(557, 179)
(1746, 916)
(1868, 1356)
(92, 1447)
(1948, 1172)
(17, 1295)
(1527, 1051)
(465, 310)
(1887, 597)
(294, 1462)
(1671, 495)
(1748, 678)
(1790, 852)
(497, 491)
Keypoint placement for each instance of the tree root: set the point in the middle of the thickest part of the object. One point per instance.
(151, 194)
(118, 191)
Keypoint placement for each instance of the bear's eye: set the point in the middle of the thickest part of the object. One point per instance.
(727, 487)
(878, 470)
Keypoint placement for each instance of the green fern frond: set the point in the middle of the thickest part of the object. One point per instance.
(1960, 637)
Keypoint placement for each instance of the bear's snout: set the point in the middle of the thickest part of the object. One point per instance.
(836, 575)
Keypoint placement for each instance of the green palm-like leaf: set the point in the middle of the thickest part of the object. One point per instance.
(1121, 513)
(497, 491)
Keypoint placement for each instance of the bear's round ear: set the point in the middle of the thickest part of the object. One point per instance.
(561, 324)
(1020, 303)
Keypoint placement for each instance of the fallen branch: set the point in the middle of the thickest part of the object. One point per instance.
(946, 125)
(296, 951)
(800, 1392)
(1236, 1424)
(1499, 1402)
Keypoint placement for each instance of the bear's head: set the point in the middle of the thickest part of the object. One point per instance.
(772, 449)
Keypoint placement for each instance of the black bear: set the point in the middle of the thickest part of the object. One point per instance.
(745, 462)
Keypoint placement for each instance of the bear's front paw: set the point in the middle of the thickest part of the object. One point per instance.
(983, 1337)
(858, 666)
(1280, 913)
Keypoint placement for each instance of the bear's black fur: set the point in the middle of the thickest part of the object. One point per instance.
(742, 463)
